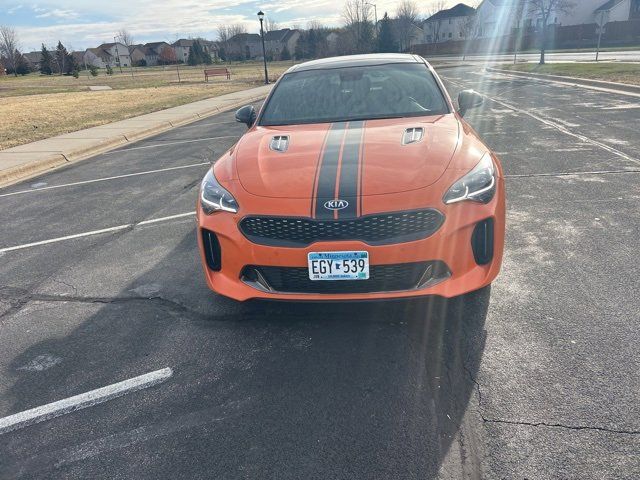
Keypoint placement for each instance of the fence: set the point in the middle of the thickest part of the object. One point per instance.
(571, 36)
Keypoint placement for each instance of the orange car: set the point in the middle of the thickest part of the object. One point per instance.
(357, 180)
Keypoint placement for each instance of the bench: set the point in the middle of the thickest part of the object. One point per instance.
(217, 72)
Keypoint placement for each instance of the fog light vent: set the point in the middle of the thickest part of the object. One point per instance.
(482, 242)
(212, 252)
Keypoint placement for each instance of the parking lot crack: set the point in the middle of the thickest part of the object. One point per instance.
(561, 425)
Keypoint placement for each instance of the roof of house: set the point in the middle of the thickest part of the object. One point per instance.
(33, 57)
(245, 37)
(460, 10)
(155, 48)
(610, 5)
(281, 35)
(100, 52)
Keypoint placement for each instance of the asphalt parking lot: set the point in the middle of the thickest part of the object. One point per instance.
(536, 378)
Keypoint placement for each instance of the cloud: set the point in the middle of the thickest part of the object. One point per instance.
(57, 13)
(13, 10)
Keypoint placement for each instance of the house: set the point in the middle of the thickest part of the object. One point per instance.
(33, 59)
(112, 54)
(183, 46)
(453, 24)
(136, 52)
(154, 53)
(501, 17)
(276, 41)
(407, 37)
(244, 46)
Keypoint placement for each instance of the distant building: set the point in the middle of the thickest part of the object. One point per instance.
(153, 52)
(456, 23)
(501, 17)
(183, 46)
(244, 46)
(136, 52)
(112, 54)
(275, 42)
(33, 59)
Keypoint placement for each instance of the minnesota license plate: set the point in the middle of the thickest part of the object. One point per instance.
(338, 265)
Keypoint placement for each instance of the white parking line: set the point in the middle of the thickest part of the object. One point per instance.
(94, 232)
(104, 179)
(166, 144)
(84, 400)
(560, 127)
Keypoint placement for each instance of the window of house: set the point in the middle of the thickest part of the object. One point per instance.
(449, 34)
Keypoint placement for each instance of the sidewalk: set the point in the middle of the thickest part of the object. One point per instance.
(25, 161)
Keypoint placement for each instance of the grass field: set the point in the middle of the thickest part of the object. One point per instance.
(611, 72)
(35, 107)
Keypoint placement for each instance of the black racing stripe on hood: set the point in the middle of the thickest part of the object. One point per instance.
(328, 171)
(348, 182)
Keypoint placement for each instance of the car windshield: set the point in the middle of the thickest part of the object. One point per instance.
(342, 94)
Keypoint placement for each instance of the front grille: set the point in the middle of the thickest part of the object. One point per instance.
(382, 278)
(376, 229)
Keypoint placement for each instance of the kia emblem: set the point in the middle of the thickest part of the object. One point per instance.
(336, 204)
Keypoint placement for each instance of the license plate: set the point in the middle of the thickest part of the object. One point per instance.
(338, 265)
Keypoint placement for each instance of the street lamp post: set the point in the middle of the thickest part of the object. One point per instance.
(264, 51)
(600, 27)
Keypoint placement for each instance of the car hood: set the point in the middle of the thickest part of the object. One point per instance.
(346, 159)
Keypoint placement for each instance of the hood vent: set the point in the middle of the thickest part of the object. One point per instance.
(279, 143)
(412, 135)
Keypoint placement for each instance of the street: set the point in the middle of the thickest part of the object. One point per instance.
(535, 378)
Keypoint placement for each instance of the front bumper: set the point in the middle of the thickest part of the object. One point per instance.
(468, 268)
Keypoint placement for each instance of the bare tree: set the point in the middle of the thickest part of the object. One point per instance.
(435, 24)
(406, 18)
(9, 48)
(543, 9)
(358, 24)
(126, 37)
(270, 25)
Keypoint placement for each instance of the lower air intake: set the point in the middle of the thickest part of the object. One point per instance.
(382, 278)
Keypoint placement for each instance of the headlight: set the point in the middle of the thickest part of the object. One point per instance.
(479, 185)
(215, 198)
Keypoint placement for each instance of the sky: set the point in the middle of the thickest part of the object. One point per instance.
(81, 24)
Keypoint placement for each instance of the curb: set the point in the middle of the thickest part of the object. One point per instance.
(624, 87)
(57, 160)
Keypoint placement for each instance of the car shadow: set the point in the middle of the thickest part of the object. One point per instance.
(260, 389)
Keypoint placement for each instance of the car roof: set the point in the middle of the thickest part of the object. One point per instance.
(356, 61)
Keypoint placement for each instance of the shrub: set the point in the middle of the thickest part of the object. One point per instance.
(94, 70)
(109, 70)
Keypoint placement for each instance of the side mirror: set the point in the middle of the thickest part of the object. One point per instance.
(468, 99)
(247, 115)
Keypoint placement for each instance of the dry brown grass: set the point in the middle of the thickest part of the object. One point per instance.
(33, 115)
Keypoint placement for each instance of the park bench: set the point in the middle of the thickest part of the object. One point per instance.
(217, 72)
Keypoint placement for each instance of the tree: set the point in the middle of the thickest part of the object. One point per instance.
(270, 25)
(126, 37)
(9, 48)
(22, 66)
(543, 9)
(167, 56)
(61, 57)
(435, 24)
(46, 61)
(358, 26)
(406, 18)
(94, 70)
(386, 42)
